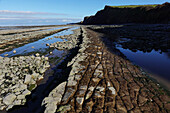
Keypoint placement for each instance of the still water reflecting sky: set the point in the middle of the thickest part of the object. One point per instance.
(154, 62)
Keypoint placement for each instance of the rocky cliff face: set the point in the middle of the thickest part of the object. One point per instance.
(142, 14)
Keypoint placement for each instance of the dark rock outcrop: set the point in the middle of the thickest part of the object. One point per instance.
(141, 14)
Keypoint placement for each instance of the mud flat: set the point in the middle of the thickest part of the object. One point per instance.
(103, 80)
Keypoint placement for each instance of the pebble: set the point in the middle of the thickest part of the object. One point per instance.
(51, 53)
(112, 89)
(6, 55)
(37, 54)
(14, 51)
(46, 58)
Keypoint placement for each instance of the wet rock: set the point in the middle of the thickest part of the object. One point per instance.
(14, 51)
(6, 55)
(51, 53)
(37, 54)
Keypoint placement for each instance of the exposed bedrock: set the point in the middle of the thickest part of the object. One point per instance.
(101, 81)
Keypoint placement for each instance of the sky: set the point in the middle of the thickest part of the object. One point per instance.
(44, 12)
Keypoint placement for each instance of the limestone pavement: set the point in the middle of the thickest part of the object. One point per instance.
(102, 81)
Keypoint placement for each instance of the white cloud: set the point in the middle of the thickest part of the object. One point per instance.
(6, 12)
(36, 18)
(27, 17)
(15, 17)
(7, 18)
(66, 20)
(36, 21)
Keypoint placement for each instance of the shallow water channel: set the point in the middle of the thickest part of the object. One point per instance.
(40, 45)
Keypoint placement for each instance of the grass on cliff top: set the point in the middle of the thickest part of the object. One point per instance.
(134, 6)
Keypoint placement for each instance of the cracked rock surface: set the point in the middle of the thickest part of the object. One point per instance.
(102, 81)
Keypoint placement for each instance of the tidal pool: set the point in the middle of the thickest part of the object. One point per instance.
(155, 62)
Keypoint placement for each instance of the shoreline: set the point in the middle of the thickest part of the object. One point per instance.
(97, 71)
(161, 81)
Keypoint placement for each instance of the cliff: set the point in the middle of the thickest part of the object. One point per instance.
(138, 14)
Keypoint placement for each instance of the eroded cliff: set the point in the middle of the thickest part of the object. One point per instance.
(138, 14)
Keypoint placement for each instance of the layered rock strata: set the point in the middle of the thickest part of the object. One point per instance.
(102, 81)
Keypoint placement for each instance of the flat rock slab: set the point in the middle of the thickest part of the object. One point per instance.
(107, 82)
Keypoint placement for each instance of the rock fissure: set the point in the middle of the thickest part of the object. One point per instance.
(107, 82)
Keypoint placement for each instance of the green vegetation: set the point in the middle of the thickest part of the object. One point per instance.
(64, 108)
(134, 6)
(32, 87)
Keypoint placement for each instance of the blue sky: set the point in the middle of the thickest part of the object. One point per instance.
(20, 12)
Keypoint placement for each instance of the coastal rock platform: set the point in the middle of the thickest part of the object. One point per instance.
(102, 80)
